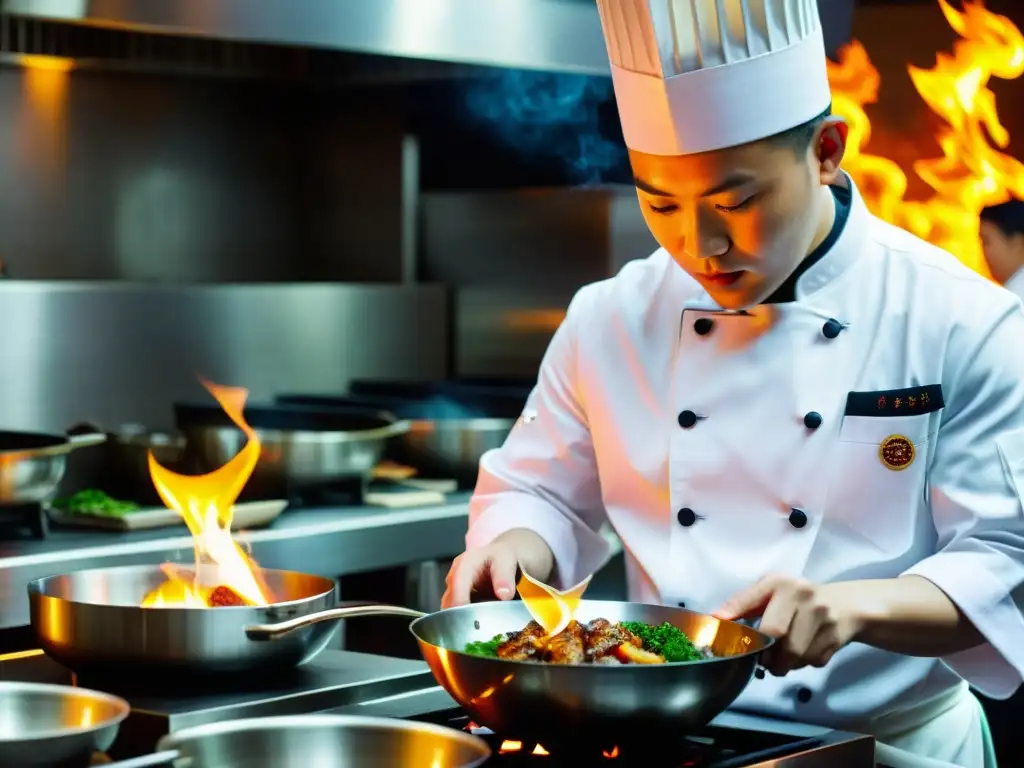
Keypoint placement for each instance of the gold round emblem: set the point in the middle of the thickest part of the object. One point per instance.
(896, 452)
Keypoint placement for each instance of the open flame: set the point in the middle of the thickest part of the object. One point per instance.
(224, 573)
(552, 609)
(972, 173)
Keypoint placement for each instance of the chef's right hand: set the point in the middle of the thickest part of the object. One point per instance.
(492, 569)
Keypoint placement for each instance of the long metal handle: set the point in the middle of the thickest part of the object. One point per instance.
(275, 631)
(147, 761)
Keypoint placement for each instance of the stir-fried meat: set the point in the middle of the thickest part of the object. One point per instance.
(523, 645)
(567, 646)
(593, 643)
(603, 637)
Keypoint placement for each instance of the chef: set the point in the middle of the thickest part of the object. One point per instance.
(1002, 237)
(791, 412)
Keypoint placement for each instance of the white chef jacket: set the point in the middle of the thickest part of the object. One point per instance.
(601, 442)
(1016, 284)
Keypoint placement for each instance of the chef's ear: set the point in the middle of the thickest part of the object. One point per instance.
(830, 146)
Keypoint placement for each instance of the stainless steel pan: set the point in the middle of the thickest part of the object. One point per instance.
(92, 622)
(32, 464)
(592, 704)
(55, 726)
(320, 741)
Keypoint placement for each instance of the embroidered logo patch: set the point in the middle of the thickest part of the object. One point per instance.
(896, 452)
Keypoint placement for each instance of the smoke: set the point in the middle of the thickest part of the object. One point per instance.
(549, 115)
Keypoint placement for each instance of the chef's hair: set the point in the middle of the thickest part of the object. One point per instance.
(800, 137)
(1008, 217)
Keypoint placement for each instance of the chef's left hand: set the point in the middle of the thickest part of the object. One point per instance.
(809, 621)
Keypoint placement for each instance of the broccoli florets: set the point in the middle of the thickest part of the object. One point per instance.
(666, 640)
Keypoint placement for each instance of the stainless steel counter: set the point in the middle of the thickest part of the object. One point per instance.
(329, 542)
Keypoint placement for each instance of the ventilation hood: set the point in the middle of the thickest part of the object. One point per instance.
(551, 35)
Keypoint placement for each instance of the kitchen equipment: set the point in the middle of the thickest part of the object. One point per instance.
(451, 424)
(125, 473)
(52, 726)
(339, 682)
(591, 703)
(246, 516)
(302, 447)
(317, 740)
(92, 622)
(32, 464)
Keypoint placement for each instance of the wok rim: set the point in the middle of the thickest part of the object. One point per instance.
(123, 707)
(35, 590)
(768, 641)
(174, 739)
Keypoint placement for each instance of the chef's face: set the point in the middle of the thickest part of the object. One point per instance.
(740, 220)
(1005, 255)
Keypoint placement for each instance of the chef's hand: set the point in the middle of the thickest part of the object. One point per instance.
(492, 569)
(809, 621)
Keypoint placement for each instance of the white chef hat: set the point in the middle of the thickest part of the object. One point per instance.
(699, 75)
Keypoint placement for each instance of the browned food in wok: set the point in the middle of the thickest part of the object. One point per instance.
(598, 642)
(224, 596)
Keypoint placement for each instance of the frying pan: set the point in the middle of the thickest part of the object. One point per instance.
(306, 741)
(92, 623)
(591, 705)
(53, 726)
(32, 464)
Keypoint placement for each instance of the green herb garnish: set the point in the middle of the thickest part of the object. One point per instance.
(666, 640)
(487, 648)
(96, 503)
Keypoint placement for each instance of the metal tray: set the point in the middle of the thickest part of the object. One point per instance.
(253, 514)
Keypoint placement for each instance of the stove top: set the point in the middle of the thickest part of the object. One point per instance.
(713, 747)
(351, 683)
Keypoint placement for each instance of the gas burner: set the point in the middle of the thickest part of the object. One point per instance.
(18, 519)
(714, 747)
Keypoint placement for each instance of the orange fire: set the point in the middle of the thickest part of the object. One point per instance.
(224, 573)
(552, 609)
(971, 173)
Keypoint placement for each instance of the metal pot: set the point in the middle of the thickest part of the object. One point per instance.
(589, 704)
(92, 622)
(32, 464)
(56, 726)
(316, 740)
(302, 447)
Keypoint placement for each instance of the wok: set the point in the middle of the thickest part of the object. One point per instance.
(316, 740)
(55, 726)
(92, 623)
(592, 704)
(32, 464)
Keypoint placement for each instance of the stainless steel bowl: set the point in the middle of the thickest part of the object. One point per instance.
(53, 726)
(450, 448)
(316, 741)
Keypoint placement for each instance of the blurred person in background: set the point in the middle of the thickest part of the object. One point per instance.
(1002, 237)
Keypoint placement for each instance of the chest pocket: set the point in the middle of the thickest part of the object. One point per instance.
(879, 478)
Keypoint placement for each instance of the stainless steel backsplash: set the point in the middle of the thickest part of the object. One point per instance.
(112, 353)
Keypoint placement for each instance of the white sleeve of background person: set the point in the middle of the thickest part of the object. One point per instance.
(544, 478)
(976, 490)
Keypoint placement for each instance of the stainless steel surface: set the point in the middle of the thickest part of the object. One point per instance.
(450, 448)
(550, 703)
(322, 740)
(557, 35)
(31, 475)
(292, 458)
(325, 541)
(49, 726)
(135, 349)
(92, 621)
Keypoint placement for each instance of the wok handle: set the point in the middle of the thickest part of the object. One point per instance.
(275, 631)
(166, 757)
(85, 441)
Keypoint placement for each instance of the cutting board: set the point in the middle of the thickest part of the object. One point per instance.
(253, 514)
